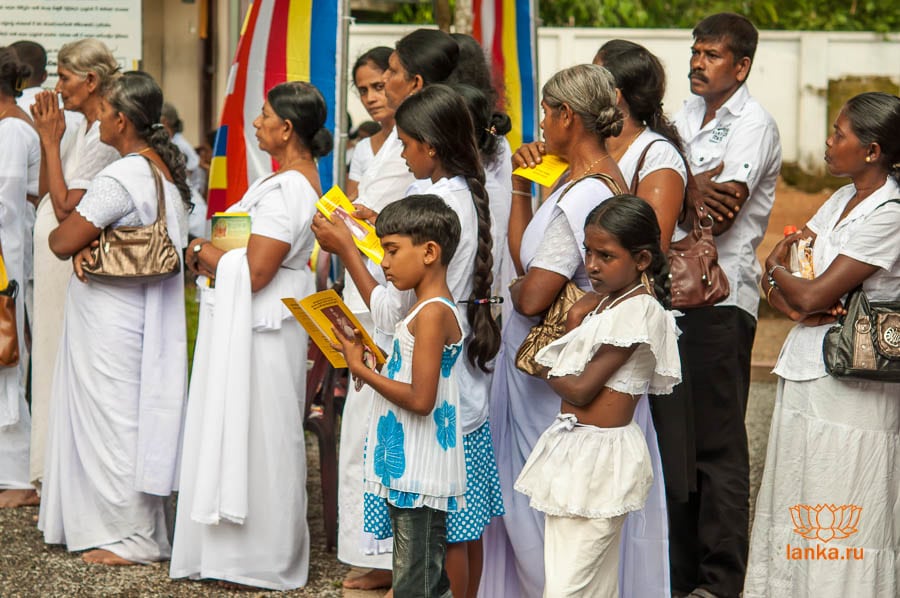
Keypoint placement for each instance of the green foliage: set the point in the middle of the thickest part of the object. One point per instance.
(816, 15)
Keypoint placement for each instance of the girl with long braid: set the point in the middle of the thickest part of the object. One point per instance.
(119, 389)
(439, 147)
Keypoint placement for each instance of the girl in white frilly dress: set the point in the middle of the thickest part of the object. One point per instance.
(592, 466)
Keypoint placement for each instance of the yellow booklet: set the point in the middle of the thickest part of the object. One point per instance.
(319, 314)
(230, 230)
(335, 204)
(4, 277)
(546, 173)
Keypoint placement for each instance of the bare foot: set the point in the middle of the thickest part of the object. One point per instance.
(99, 556)
(11, 499)
(371, 580)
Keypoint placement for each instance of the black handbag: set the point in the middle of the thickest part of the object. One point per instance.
(865, 343)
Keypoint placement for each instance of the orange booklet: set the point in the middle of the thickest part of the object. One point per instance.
(319, 314)
(335, 204)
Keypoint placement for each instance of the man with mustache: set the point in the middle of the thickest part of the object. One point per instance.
(734, 155)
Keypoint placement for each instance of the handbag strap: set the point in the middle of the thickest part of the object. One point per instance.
(160, 194)
(610, 182)
(640, 164)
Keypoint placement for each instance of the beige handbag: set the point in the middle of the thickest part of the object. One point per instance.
(553, 325)
(131, 255)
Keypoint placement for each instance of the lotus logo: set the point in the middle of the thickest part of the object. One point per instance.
(825, 522)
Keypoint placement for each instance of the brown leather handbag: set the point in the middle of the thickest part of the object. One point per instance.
(553, 325)
(694, 272)
(131, 255)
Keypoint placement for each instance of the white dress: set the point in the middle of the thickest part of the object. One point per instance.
(118, 390)
(831, 485)
(242, 501)
(83, 156)
(17, 166)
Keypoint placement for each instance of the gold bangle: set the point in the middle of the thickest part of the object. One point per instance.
(514, 281)
(522, 193)
(769, 293)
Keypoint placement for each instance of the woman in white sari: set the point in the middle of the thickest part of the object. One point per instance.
(242, 503)
(119, 385)
(19, 160)
(70, 159)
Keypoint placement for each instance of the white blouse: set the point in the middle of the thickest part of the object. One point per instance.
(869, 235)
(653, 367)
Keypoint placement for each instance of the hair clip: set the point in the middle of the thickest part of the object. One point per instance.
(492, 130)
(484, 301)
(156, 126)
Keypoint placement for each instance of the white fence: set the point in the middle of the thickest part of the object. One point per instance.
(790, 74)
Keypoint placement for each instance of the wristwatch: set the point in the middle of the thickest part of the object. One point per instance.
(198, 247)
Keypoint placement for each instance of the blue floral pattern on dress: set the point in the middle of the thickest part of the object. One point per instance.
(393, 365)
(389, 458)
(448, 358)
(403, 500)
(445, 418)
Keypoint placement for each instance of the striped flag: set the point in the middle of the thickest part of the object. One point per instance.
(506, 30)
(281, 40)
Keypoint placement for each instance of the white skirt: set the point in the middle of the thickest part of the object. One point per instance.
(578, 470)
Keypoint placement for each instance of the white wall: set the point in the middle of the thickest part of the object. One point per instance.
(789, 77)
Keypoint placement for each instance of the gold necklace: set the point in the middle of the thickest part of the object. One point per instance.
(145, 150)
(2, 114)
(630, 142)
(590, 167)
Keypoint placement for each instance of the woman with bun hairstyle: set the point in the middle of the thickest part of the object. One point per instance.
(242, 502)
(580, 115)
(119, 386)
(19, 164)
(71, 156)
(832, 465)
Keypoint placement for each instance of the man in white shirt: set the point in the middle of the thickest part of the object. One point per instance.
(734, 154)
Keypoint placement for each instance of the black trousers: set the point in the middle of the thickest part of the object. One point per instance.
(709, 532)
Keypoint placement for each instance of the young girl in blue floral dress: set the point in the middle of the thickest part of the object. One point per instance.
(414, 451)
(591, 467)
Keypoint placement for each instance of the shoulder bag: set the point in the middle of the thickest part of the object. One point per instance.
(9, 334)
(131, 255)
(865, 343)
(553, 324)
(696, 280)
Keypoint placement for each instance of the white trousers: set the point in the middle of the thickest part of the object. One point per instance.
(581, 556)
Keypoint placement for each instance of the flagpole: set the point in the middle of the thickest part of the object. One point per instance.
(340, 93)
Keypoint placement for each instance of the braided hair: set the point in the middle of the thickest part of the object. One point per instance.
(438, 117)
(633, 223)
(136, 95)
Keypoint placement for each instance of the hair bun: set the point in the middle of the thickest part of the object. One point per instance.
(609, 122)
(322, 143)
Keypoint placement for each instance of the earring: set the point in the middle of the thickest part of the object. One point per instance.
(431, 153)
(868, 158)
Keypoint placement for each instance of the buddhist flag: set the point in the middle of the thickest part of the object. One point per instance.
(281, 40)
(505, 29)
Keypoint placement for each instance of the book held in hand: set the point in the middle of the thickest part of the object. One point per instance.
(546, 173)
(320, 314)
(334, 204)
(230, 230)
